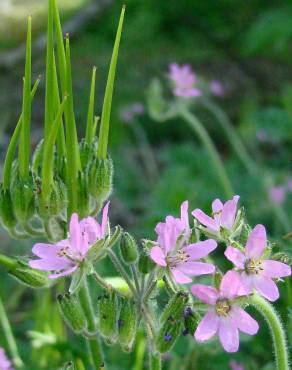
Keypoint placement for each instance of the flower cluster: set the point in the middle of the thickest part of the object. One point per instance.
(254, 269)
(5, 364)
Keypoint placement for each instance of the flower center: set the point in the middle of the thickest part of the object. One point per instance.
(178, 258)
(253, 266)
(222, 307)
(63, 252)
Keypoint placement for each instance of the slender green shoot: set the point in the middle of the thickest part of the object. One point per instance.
(90, 116)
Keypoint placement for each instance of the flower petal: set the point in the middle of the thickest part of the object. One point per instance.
(228, 334)
(200, 249)
(180, 277)
(104, 219)
(266, 287)
(275, 269)
(196, 268)
(235, 256)
(205, 293)
(256, 242)
(217, 206)
(64, 273)
(158, 256)
(184, 216)
(230, 285)
(207, 327)
(244, 321)
(205, 220)
(49, 264)
(246, 284)
(91, 227)
(43, 250)
(229, 212)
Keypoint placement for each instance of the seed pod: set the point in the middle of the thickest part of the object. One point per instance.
(175, 307)
(87, 152)
(168, 334)
(108, 309)
(145, 264)
(191, 322)
(7, 215)
(72, 312)
(28, 276)
(100, 179)
(129, 249)
(127, 324)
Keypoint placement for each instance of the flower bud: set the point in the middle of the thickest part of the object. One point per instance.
(145, 264)
(175, 307)
(282, 257)
(127, 324)
(30, 277)
(168, 334)
(129, 249)
(72, 312)
(100, 176)
(108, 309)
(87, 152)
(7, 215)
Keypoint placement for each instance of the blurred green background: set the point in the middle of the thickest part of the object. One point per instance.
(247, 47)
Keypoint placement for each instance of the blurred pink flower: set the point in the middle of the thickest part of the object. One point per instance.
(234, 365)
(184, 80)
(173, 251)
(262, 135)
(65, 256)
(224, 215)
(5, 364)
(225, 318)
(257, 272)
(277, 194)
(217, 88)
(129, 113)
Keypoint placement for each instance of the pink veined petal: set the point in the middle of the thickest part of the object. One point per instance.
(235, 256)
(104, 220)
(75, 233)
(266, 287)
(217, 207)
(85, 245)
(205, 293)
(207, 327)
(230, 285)
(256, 242)
(184, 216)
(200, 249)
(229, 212)
(158, 256)
(46, 250)
(196, 268)
(180, 277)
(246, 284)
(49, 264)
(228, 334)
(205, 220)
(275, 269)
(64, 273)
(244, 321)
(91, 227)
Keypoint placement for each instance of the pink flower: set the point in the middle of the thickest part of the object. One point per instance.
(128, 114)
(217, 88)
(173, 251)
(184, 80)
(225, 318)
(277, 194)
(5, 364)
(65, 256)
(234, 365)
(256, 271)
(224, 215)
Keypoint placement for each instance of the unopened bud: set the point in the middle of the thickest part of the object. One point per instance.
(127, 324)
(282, 257)
(28, 276)
(100, 179)
(87, 152)
(168, 334)
(175, 307)
(56, 201)
(108, 309)
(72, 312)
(7, 215)
(129, 249)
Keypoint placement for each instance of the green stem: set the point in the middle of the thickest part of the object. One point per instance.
(93, 343)
(9, 336)
(135, 277)
(277, 331)
(154, 361)
(7, 261)
(200, 130)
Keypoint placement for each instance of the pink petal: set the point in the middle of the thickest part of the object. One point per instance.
(228, 334)
(247, 284)
(75, 233)
(46, 250)
(266, 287)
(196, 268)
(229, 212)
(184, 216)
(91, 227)
(208, 327)
(230, 285)
(244, 321)
(158, 256)
(64, 273)
(275, 269)
(180, 277)
(205, 220)
(217, 206)
(235, 256)
(49, 264)
(200, 249)
(205, 293)
(104, 220)
(256, 242)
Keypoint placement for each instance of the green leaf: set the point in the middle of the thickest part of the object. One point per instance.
(107, 103)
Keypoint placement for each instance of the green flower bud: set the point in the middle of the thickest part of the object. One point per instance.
(7, 215)
(168, 334)
(30, 277)
(217, 279)
(83, 195)
(56, 201)
(72, 312)
(145, 263)
(108, 309)
(175, 307)
(127, 324)
(100, 176)
(87, 152)
(129, 249)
